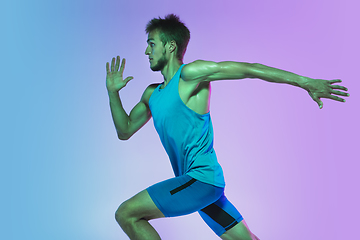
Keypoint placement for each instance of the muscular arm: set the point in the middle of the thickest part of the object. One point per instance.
(199, 71)
(127, 125)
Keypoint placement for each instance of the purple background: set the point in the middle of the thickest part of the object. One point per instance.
(291, 169)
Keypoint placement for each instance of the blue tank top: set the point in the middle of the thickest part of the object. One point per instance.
(186, 135)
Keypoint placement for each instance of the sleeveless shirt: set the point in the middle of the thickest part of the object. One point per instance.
(186, 135)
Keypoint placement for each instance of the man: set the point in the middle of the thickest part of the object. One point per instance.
(180, 109)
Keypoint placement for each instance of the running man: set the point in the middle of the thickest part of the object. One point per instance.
(180, 110)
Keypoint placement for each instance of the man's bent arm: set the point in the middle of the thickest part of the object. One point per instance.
(127, 125)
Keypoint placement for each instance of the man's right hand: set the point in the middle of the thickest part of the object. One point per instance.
(114, 78)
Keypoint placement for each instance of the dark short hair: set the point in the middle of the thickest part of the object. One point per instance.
(171, 28)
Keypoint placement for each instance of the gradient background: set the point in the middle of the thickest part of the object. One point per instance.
(291, 169)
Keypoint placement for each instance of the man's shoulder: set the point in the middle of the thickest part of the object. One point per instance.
(197, 69)
(151, 88)
(148, 91)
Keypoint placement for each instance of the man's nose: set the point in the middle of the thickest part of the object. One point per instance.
(147, 52)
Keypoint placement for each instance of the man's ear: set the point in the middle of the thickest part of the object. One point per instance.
(172, 46)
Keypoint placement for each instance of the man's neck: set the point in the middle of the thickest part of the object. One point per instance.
(170, 69)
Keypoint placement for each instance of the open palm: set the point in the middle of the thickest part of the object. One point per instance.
(114, 78)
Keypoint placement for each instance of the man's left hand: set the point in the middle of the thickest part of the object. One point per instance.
(318, 88)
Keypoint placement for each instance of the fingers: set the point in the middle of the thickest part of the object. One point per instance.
(117, 63)
(333, 97)
(128, 79)
(317, 100)
(338, 87)
(336, 98)
(340, 93)
(122, 66)
(329, 91)
(112, 64)
(107, 68)
(335, 81)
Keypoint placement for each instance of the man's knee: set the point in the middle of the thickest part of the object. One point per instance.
(139, 207)
(123, 213)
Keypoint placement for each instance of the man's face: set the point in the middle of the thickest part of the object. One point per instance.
(156, 52)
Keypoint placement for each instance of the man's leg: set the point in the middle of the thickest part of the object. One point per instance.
(173, 197)
(239, 232)
(133, 216)
(226, 221)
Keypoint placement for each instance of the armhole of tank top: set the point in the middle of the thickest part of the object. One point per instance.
(178, 94)
(153, 93)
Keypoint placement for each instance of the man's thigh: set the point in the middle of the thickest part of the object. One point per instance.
(183, 195)
(221, 216)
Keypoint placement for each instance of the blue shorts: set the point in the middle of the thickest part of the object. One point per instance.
(184, 195)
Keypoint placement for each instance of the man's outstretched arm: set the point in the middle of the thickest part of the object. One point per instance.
(199, 71)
